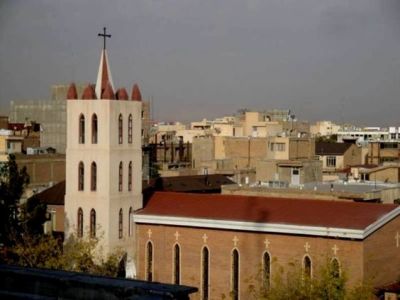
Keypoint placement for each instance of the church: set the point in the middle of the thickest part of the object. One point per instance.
(215, 242)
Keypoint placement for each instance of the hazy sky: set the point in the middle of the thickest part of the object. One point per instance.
(324, 59)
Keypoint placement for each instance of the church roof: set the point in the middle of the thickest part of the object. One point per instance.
(89, 93)
(267, 214)
(122, 94)
(72, 93)
(104, 75)
(108, 92)
(136, 95)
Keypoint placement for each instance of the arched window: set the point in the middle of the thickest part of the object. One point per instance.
(120, 131)
(130, 129)
(81, 176)
(94, 129)
(205, 272)
(130, 176)
(130, 225)
(266, 268)
(235, 275)
(92, 223)
(81, 129)
(80, 223)
(120, 177)
(177, 264)
(149, 261)
(120, 223)
(307, 268)
(93, 177)
(335, 268)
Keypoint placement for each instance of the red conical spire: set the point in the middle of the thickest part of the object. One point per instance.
(89, 93)
(72, 93)
(122, 94)
(136, 95)
(108, 92)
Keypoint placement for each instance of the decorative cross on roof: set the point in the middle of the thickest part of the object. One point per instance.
(176, 234)
(266, 242)
(104, 35)
(397, 238)
(307, 246)
(149, 233)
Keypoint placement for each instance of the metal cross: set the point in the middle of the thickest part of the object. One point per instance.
(149, 233)
(104, 35)
(205, 237)
(397, 238)
(335, 249)
(266, 242)
(176, 234)
(235, 240)
(307, 246)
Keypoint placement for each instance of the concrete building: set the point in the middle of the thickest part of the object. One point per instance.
(324, 128)
(383, 151)
(104, 163)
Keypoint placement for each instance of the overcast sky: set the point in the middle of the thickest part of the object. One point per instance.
(324, 59)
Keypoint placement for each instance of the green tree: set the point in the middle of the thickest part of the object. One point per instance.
(12, 184)
(33, 216)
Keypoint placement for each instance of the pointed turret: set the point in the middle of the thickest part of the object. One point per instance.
(89, 93)
(122, 94)
(136, 95)
(104, 75)
(72, 93)
(108, 93)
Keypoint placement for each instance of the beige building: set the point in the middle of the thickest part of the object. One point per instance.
(9, 144)
(336, 157)
(104, 163)
(383, 151)
(324, 128)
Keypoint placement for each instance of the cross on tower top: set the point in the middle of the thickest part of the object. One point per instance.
(105, 36)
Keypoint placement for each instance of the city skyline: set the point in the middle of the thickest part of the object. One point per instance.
(322, 60)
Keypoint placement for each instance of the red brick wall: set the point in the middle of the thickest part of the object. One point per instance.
(284, 249)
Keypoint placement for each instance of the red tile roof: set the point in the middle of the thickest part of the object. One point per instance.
(108, 93)
(89, 93)
(122, 94)
(302, 212)
(72, 93)
(136, 95)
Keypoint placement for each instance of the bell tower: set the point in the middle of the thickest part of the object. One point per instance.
(103, 161)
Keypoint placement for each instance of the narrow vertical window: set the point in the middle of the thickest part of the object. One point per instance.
(177, 264)
(130, 225)
(235, 275)
(149, 261)
(120, 131)
(130, 129)
(307, 267)
(80, 223)
(94, 129)
(120, 223)
(120, 177)
(93, 177)
(266, 270)
(130, 176)
(81, 129)
(81, 177)
(335, 268)
(92, 223)
(205, 264)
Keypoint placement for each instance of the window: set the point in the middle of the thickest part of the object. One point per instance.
(80, 223)
(92, 223)
(81, 176)
(130, 129)
(120, 177)
(277, 147)
(93, 177)
(130, 176)
(307, 267)
(205, 263)
(335, 268)
(235, 275)
(120, 131)
(130, 227)
(177, 264)
(266, 269)
(120, 220)
(94, 129)
(149, 261)
(331, 161)
(81, 129)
